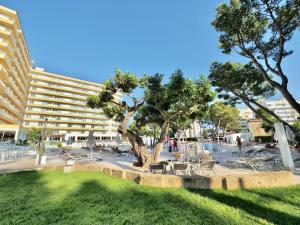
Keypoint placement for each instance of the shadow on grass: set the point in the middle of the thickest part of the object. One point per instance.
(25, 198)
(46, 198)
(253, 208)
(278, 196)
(96, 204)
(17, 190)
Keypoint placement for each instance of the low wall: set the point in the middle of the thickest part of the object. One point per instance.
(255, 180)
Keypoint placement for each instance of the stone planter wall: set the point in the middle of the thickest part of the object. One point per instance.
(255, 180)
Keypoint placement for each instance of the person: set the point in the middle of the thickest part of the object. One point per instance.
(170, 145)
(239, 143)
(175, 145)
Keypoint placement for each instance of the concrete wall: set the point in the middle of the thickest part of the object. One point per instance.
(255, 180)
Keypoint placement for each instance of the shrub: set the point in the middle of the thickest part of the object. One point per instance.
(263, 139)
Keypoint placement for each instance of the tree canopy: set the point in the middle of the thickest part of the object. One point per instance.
(119, 102)
(224, 117)
(243, 82)
(161, 103)
(259, 31)
(174, 103)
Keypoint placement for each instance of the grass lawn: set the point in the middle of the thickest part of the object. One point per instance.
(94, 198)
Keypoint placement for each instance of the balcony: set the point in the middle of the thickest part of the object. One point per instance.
(65, 114)
(65, 82)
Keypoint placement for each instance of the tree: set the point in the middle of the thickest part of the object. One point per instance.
(151, 130)
(266, 125)
(259, 31)
(123, 111)
(178, 100)
(235, 82)
(224, 117)
(296, 126)
(35, 138)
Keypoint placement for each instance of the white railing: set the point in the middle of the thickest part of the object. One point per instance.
(11, 152)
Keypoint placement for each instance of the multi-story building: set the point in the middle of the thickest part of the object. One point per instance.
(15, 64)
(283, 109)
(59, 103)
(52, 101)
(246, 115)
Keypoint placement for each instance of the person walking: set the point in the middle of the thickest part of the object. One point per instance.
(239, 143)
(175, 145)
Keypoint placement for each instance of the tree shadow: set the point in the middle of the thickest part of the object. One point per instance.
(17, 195)
(253, 208)
(97, 204)
(28, 198)
(277, 196)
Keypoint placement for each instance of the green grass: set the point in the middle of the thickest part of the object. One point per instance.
(94, 198)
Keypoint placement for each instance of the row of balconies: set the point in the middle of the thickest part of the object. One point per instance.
(16, 34)
(61, 125)
(57, 93)
(66, 82)
(6, 103)
(11, 69)
(22, 70)
(48, 127)
(8, 117)
(63, 107)
(6, 78)
(61, 89)
(66, 120)
(64, 113)
(56, 99)
(7, 91)
(64, 87)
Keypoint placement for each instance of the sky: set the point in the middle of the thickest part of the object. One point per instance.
(89, 39)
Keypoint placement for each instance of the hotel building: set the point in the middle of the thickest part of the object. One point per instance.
(15, 64)
(283, 109)
(31, 97)
(59, 103)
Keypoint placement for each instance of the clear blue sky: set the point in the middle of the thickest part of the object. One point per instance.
(88, 39)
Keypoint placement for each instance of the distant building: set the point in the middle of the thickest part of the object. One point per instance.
(246, 115)
(283, 109)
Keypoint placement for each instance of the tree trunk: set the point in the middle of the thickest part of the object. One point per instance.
(159, 144)
(280, 87)
(272, 114)
(138, 147)
(290, 98)
(218, 132)
(200, 133)
(256, 112)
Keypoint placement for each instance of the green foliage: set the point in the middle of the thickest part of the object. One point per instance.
(224, 116)
(296, 125)
(150, 130)
(263, 139)
(94, 198)
(267, 127)
(259, 30)
(35, 136)
(236, 82)
(257, 27)
(120, 84)
(59, 144)
(177, 101)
